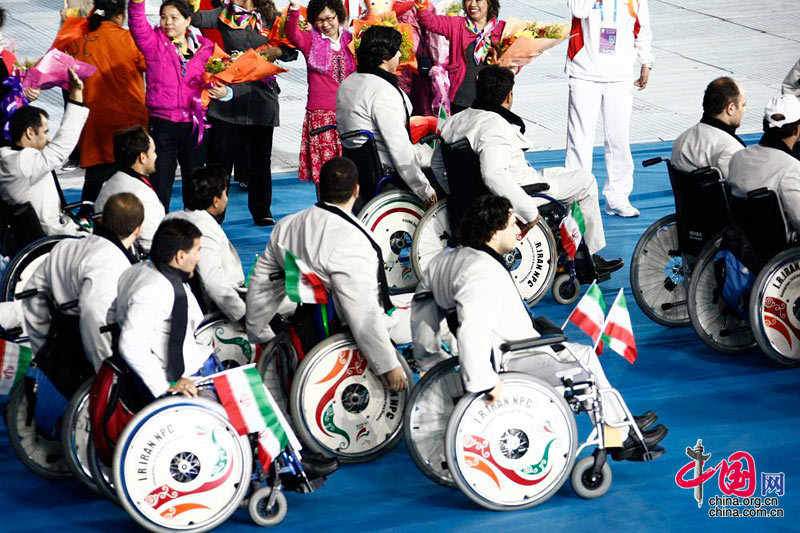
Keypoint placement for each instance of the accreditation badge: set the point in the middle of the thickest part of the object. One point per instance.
(608, 40)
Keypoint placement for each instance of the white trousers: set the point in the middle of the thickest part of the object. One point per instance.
(615, 99)
(580, 185)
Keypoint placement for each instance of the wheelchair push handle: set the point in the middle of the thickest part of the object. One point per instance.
(322, 129)
(654, 161)
(26, 294)
(535, 342)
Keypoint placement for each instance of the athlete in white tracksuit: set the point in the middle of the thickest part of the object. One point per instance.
(607, 38)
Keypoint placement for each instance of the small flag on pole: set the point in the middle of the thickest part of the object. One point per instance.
(572, 228)
(302, 284)
(442, 118)
(589, 315)
(617, 331)
(251, 409)
(14, 361)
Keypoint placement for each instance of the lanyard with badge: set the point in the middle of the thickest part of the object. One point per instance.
(608, 33)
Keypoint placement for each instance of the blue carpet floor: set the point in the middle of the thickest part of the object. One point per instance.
(733, 403)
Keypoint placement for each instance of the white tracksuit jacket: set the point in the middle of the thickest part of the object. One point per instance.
(153, 208)
(704, 145)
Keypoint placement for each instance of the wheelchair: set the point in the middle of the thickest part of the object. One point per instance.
(227, 339)
(759, 218)
(24, 264)
(668, 249)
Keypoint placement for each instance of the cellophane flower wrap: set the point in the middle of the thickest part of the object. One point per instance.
(277, 35)
(524, 41)
(51, 71)
(225, 69)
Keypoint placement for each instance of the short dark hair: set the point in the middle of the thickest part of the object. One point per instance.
(485, 216)
(493, 84)
(315, 7)
(172, 235)
(378, 44)
(494, 8)
(122, 214)
(181, 5)
(128, 144)
(23, 118)
(719, 93)
(206, 184)
(338, 179)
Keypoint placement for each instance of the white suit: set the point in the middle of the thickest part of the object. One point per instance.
(791, 85)
(153, 208)
(602, 80)
(143, 310)
(25, 175)
(368, 102)
(501, 148)
(87, 270)
(220, 268)
(490, 312)
(704, 145)
(340, 254)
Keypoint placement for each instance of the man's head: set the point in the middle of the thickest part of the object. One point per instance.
(495, 86)
(489, 221)
(725, 100)
(208, 190)
(782, 118)
(134, 149)
(176, 243)
(123, 215)
(338, 181)
(380, 45)
(29, 127)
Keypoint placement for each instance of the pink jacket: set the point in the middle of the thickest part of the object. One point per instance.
(455, 30)
(323, 77)
(170, 93)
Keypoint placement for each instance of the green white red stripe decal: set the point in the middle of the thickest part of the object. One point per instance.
(302, 284)
(618, 332)
(14, 361)
(572, 228)
(589, 314)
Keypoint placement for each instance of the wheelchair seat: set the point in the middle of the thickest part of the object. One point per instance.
(701, 206)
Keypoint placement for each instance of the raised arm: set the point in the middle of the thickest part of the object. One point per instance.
(143, 34)
(440, 24)
(301, 39)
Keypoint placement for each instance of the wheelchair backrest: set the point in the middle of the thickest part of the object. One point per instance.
(359, 146)
(701, 206)
(464, 178)
(19, 226)
(761, 219)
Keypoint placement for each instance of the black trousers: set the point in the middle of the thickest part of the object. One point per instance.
(175, 145)
(94, 179)
(249, 148)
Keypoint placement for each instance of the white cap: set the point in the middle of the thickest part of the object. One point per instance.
(781, 110)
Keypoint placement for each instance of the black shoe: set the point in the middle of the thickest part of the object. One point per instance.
(266, 221)
(606, 266)
(646, 420)
(632, 448)
(654, 452)
(317, 465)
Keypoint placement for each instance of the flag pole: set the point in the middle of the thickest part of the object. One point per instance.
(594, 282)
(605, 322)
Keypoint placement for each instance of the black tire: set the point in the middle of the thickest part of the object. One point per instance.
(23, 260)
(722, 331)
(74, 427)
(660, 276)
(425, 434)
(40, 455)
(584, 484)
(564, 292)
(102, 476)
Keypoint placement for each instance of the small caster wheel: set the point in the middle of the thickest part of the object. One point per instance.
(263, 516)
(587, 486)
(565, 292)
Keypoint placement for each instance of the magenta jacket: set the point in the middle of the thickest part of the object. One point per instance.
(170, 93)
(455, 30)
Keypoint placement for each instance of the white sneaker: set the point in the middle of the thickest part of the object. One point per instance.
(624, 210)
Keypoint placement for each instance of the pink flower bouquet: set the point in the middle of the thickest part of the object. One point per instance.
(51, 71)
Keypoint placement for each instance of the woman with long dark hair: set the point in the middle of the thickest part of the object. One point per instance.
(114, 94)
(245, 114)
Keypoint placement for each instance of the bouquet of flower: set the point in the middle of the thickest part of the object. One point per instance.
(239, 67)
(277, 35)
(522, 41)
(407, 57)
(51, 71)
(454, 9)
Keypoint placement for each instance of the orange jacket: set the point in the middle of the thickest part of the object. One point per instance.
(114, 94)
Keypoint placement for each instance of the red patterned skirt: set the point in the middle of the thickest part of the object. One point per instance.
(314, 152)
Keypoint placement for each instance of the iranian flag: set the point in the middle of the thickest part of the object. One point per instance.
(251, 409)
(14, 361)
(441, 119)
(590, 313)
(572, 228)
(617, 332)
(302, 284)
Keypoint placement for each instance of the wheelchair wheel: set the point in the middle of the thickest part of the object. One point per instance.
(392, 218)
(532, 264)
(425, 420)
(340, 408)
(585, 484)
(718, 327)
(660, 274)
(181, 466)
(564, 292)
(265, 515)
(516, 453)
(39, 454)
(775, 308)
(276, 367)
(24, 264)
(228, 340)
(102, 475)
(75, 436)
